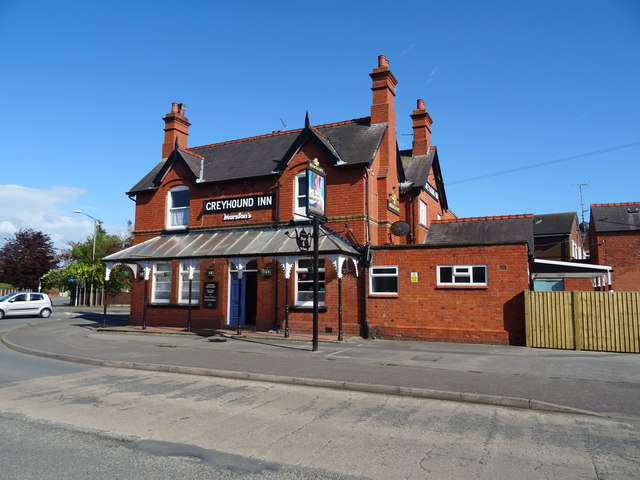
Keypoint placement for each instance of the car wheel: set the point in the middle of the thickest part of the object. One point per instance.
(1, 314)
(45, 313)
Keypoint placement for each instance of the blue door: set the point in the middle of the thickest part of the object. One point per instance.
(548, 285)
(238, 295)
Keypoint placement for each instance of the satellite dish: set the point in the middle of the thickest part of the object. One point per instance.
(400, 229)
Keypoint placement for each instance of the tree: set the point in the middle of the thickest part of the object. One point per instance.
(25, 258)
(82, 270)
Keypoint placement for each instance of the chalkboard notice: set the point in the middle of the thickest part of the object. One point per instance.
(210, 295)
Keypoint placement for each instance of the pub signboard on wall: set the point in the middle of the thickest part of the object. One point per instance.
(210, 297)
(236, 204)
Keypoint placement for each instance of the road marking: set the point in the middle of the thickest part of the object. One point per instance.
(335, 354)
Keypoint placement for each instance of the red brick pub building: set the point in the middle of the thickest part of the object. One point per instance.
(217, 230)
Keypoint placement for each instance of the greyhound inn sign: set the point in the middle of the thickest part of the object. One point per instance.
(236, 205)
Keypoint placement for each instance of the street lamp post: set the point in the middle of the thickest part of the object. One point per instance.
(93, 253)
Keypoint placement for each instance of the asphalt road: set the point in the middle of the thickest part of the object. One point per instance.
(97, 422)
(68, 420)
(34, 449)
(600, 382)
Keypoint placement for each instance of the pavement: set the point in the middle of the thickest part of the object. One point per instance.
(595, 383)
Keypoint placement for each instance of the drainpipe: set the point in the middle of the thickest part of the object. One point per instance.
(413, 219)
(366, 206)
(275, 261)
(363, 286)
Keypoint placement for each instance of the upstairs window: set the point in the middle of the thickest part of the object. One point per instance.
(472, 275)
(300, 199)
(423, 213)
(178, 202)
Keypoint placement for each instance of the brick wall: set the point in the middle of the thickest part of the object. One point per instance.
(422, 310)
(620, 250)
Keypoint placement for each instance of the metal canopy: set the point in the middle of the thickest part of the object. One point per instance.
(267, 242)
(555, 269)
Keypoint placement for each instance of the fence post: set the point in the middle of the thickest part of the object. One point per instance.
(527, 319)
(577, 321)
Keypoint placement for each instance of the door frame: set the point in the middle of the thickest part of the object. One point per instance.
(230, 272)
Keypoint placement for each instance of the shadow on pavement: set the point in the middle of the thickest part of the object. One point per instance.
(112, 319)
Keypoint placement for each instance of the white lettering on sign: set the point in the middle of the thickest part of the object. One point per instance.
(227, 205)
(237, 216)
(431, 191)
(265, 201)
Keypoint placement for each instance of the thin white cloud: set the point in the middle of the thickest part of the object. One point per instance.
(408, 49)
(48, 211)
(432, 75)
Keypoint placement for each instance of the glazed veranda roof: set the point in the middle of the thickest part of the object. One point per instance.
(247, 242)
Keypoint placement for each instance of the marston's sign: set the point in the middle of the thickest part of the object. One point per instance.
(233, 204)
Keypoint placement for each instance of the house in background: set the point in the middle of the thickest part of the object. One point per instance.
(560, 255)
(614, 235)
(557, 236)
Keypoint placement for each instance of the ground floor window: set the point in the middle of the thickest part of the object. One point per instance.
(475, 275)
(304, 282)
(383, 280)
(183, 294)
(161, 290)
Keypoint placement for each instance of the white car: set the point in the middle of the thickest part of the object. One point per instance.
(26, 303)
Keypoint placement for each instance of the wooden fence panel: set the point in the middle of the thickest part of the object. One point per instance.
(548, 319)
(602, 321)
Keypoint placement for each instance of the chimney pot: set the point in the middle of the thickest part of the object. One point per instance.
(382, 61)
(421, 105)
(176, 129)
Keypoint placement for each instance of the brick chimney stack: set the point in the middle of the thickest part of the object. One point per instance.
(176, 127)
(384, 84)
(421, 129)
(383, 111)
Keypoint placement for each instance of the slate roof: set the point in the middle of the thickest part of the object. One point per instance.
(554, 223)
(616, 217)
(416, 169)
(501, 230)
(353, 142)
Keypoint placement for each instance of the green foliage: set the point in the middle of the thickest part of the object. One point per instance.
(83, 268)
(6, 286)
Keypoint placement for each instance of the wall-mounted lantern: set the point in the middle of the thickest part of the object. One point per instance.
(265, 272)
(211, 271)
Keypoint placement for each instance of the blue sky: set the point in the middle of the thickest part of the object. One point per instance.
(509, 84)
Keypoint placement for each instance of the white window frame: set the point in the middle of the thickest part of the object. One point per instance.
(376, 272)
(183, 287)
(461, 272)
(157, 273)
(423, 213)
(322, 285)
(300, 211)
(171, 210)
